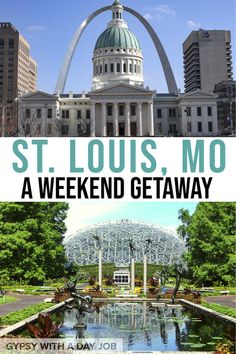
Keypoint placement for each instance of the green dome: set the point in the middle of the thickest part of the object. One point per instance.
(117, 37)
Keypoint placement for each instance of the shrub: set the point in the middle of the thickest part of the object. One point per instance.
(92, 281)
(138, 282)
(109, 280)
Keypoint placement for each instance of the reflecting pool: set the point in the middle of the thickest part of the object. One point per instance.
(148, 329)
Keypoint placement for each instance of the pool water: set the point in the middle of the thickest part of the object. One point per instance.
(143, 328)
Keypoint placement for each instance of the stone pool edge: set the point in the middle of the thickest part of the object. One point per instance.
(208, 311)
(19, 325)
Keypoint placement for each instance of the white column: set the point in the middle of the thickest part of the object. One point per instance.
(150, 119)
(132, 275)
(73, 122)
(104, 120)
(115, 121)
(145, 274)
(100, 270)
(132, 316)
(44, 122)
(127, 119)
(93, 124)
(144, 314)
(140, 120)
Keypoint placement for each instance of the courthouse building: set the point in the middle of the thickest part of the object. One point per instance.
(119, 104)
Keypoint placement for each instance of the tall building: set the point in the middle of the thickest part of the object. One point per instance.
(18, 74)
(119, 104)
(207, 59)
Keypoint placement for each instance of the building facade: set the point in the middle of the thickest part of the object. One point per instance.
(226, 102)
(207, 59)
(118, 104)
(119, 110)
(18, 73)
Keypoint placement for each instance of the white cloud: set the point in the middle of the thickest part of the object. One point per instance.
(35, 28)
(148, 17)
(165, 9)
(193, 25)
(83, 214)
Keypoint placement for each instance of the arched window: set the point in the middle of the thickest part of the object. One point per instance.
(118, 67)
(124, 68)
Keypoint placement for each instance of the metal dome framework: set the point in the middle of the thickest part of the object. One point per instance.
(165, 247)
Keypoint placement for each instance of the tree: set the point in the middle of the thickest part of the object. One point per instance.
(31, 236)
(211, 243)
(181, 270)
(185, 218)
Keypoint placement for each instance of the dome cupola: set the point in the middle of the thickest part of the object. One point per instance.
(117, 55)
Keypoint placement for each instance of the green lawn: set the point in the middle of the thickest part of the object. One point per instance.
(20, 315)
(7, 299)
(225, 310)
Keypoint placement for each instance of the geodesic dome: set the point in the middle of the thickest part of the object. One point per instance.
(161, 246)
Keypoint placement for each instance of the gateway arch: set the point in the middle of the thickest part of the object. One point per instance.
(169, 76)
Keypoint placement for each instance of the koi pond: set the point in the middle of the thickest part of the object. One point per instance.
(143, 328)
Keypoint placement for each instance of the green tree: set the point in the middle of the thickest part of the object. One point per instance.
(31, 236)
(185, 218)
(211, 243)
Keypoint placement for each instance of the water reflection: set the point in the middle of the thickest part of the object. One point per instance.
(145, 328)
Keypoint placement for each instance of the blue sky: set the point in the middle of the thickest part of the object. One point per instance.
(50, 25)
(83, 214)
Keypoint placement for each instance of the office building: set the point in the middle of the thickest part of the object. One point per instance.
(207, 59)
(18, 74)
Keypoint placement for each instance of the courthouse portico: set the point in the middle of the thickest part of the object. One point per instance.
(122, 110)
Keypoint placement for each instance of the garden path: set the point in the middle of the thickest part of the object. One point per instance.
(25, 301)
(22, 302)
(225, 300)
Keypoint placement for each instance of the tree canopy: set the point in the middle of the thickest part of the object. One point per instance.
(31, 236)
(210, 237)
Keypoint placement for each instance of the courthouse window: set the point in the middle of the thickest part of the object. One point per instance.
(210, 127)
(49, 112)
(133, 110)
(199, 111)
(88, 115)
(159, 113)
(39, 113)
(109, 110)
(121, 110)
(199, 127)
(65, 114)
(79, 114)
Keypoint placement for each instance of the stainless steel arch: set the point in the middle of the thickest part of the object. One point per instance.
(170, 80)
(62, 77)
